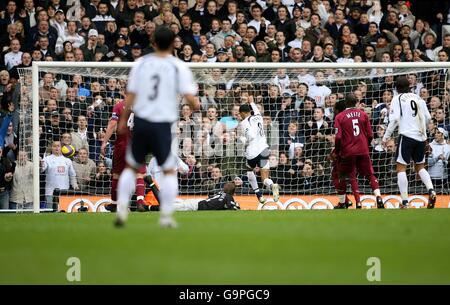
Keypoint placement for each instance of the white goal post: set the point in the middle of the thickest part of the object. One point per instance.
(37, 67)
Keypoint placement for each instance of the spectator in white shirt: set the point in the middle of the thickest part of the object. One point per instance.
(80, 137)
(232, 11)
(59, 171)
(70, 35)
(30, 11)
(297, 42)
(58, 22)
(256, 12)
(319, 91)
(346, 55)
(439, 157)
(14, 57)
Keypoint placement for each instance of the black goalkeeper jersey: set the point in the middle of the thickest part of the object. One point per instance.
(220, 201)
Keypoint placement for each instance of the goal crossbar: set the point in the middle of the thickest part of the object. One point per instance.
(37, 65)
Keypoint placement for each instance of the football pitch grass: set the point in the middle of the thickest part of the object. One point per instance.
(224, 247)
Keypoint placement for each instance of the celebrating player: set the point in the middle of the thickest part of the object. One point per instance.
(409, 111)
(353, 135)
(153, 85)
(257, 150)
(120, 146)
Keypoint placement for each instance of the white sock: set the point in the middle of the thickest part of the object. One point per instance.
(377, 192)
(268, 183)
(425, 176)
(402, 182)
(252, 180)
(168, 194)
(341, 198)
(125, 189)
(186, 206)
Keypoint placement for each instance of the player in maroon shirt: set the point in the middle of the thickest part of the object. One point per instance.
(119, 163)
(339, 107)
(353, 135)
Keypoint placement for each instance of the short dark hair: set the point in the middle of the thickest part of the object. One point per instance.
(164, 38)
(339, 107)
(245, 108)
(256, 6)
(226, 19)
(402, 84)
(229, 188)
(350, 100)
(304, 84)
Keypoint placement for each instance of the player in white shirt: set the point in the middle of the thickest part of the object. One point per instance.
(59, 173)
(257, 150)
(153, 87)
(409, 111)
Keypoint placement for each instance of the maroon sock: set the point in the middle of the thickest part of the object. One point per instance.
(342, 186)
(373, 182)
(140, 190)
(114, 189)
(355, 189)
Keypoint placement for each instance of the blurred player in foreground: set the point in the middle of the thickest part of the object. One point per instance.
(257, 150)
(153, 85)
(353, 135)
(409, 111)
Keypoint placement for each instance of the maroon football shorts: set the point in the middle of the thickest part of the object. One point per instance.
(362, 164)
(119, 162)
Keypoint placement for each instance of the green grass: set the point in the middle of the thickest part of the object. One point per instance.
(246, 247)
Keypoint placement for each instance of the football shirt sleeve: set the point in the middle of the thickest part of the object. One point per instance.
(338, 131)
(186, 81)
(394, 117)
(133, 80)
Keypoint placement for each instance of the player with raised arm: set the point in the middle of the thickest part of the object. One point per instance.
(153, 85)
(353, 135)
(120, 147)
(257, 150)
(409, 111)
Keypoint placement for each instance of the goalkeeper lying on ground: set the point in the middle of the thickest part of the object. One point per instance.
(223, 200)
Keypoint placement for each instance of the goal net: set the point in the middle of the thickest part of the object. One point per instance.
(74, 103)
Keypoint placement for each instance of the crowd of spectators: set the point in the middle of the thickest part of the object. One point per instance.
(297, 104)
